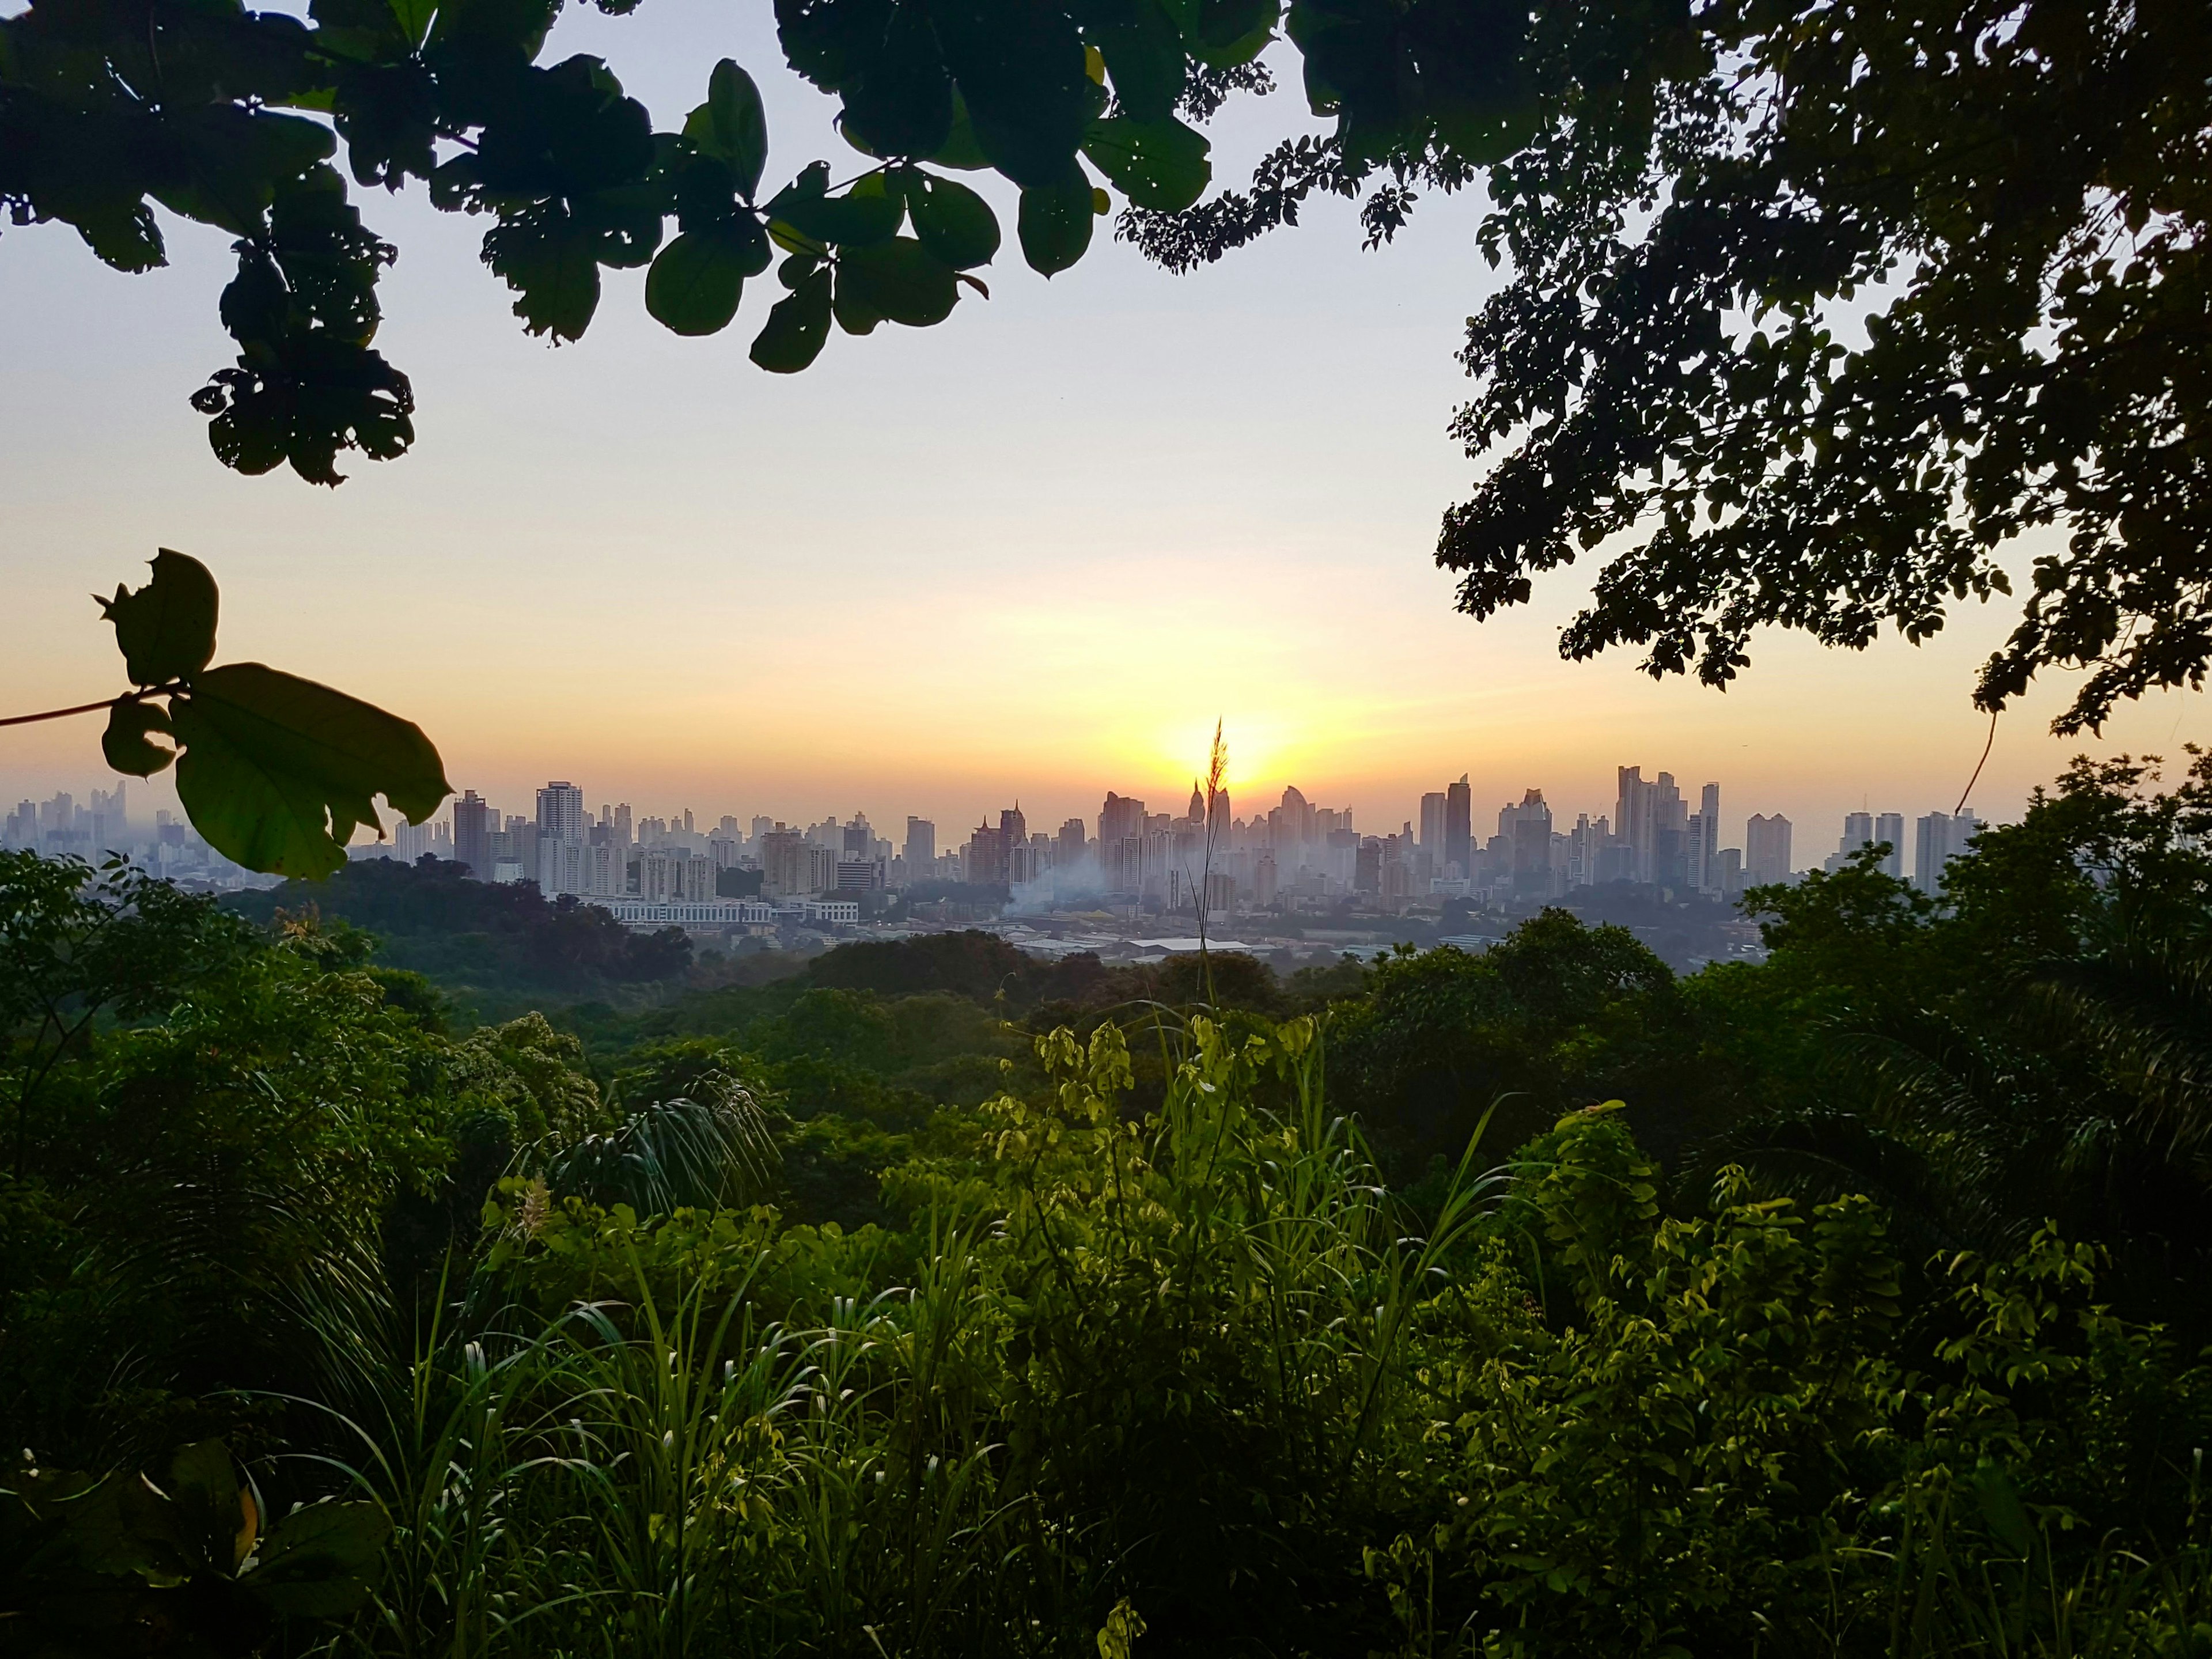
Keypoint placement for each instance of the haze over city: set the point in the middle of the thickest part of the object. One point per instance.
(1034, 552)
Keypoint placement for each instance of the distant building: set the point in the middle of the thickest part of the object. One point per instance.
(1702, 873)
(1939, 838)
(473, 823)
(1766, 849)
(921, 851)
(1459, 829)
(1889, 828)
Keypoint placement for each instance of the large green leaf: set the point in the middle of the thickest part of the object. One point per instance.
(278, 771)
(694, 285)
(796, 328)
(899, 280)
(1160, 165)
(869, 212)
(954, 224)
(166, 629)
(730, 125)
(1143, 50)
(1055, 224)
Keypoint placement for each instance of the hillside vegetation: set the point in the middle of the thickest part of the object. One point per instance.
(930, 1299)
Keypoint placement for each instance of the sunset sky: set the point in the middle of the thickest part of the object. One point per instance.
(1033, 552)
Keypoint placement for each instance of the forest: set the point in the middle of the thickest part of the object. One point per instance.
(931, 1299)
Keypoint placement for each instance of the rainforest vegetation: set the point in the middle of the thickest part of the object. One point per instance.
(935, 1300)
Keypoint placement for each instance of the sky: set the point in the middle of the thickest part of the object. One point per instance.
(1032, 553)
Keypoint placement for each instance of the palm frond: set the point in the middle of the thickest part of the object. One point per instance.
(709, 1150)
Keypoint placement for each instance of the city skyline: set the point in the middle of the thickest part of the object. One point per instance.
(1649, 836)
(946, 566)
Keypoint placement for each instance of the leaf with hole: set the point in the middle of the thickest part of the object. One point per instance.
(125, 742)
(1054, 223)
(1160, 165)
(796, 328)
(952, 222)
(166, 629)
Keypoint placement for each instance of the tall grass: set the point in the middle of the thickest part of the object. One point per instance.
(1050, 1426)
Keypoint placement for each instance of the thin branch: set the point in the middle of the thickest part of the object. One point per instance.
(58, 713)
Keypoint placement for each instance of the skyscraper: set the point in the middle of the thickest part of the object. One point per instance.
(1889, 827)
(559, 826)
(472, 828)
(1433, 825)
(1940, 839)
(1531, 836)
(1766, 849)
(1703, 875)
(920, 850)
(1459, 828)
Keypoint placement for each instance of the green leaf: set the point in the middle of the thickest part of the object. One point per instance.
(731, 127)
(321, 1562)
(796, 328)
(550, 258)
(899, 280)
(961, 147)
(167, 628)
(1160, 165)
(1143, 50)
(125, 742)
(954, 224)
(869, 212)
(1054, 225)
(278, 771)
(694, 285)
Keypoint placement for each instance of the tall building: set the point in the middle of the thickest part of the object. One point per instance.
(1073, 844)
(1433, 825)
(1459, 829)
(473, 823)
(558, 866)
(560, 812)
(1940, 838)
(987, 863)
(1766, 849)
(783, 874)
(1889, 828)
(1702, 874)
(920, 850)
(1531, 837)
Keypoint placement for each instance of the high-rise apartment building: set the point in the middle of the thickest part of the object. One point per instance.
(473, 823)
(920, 850)
(1939, 838)
(1766, 849)
(1528, 828)
(782, 873)
(1459, 829)
(1889, 828)
(1073, 842)
(1433, 806)
(1703, 876)
(987, 863)
(560, 812)
(558, 866)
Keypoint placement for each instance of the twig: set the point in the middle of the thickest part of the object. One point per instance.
(1969, 792)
